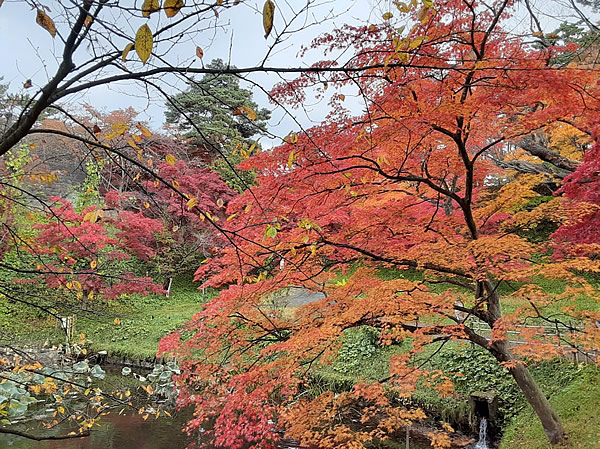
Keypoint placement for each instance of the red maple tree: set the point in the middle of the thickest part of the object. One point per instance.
(410, 184)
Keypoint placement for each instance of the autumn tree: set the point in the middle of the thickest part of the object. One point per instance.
(416, 168)
(411, 184)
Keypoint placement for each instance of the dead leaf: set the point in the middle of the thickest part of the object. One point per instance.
(126, 51)
(144, 42)
(268, 15)
(45, 22)
(248, 112)
(172, 7)
(150, 6)
(145, 131)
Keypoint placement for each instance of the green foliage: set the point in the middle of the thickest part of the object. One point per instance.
(577, 405)
(213, 104)
(232, 177)
(359, 346)
(570, 33)
(143, 320)
(88, 194)
(474, 369)
(15, 161)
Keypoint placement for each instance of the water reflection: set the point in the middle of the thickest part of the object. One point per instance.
(117, 432)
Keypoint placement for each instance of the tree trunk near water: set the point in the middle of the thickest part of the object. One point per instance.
(532, 392)
(542, 407)
(534, 395)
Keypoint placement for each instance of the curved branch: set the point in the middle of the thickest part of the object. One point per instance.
(29, 436)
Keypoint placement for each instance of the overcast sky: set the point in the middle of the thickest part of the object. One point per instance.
(27, 50)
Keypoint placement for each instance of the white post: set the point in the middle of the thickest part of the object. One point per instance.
(169, 287)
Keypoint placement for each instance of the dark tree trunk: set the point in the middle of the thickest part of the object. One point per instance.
(542, 407)
(501, 351)
(532, 392)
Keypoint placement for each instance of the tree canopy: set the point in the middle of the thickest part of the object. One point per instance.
(216, 112)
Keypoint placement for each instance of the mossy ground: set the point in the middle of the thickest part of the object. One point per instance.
(143, 321)
(578, 406)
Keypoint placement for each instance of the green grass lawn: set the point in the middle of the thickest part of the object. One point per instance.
(143, 321)
(578, 406)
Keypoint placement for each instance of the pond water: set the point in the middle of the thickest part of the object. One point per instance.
(117, 432)
(127, 432)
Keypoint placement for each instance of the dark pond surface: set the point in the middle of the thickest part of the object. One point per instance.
(117, 432)
(127, 432)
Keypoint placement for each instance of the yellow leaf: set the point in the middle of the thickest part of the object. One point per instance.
(145, 131)
(88, 21)
(120, 128)
(61, 409)
(268, 15)
(416, 42)
(126, 51)
(146, 204)
(84, 351)
(150, 6)
(175, 184)
(143, 43)
(249, 112)
(170, 159)
(92, 216)
(199, 52)
(82, 336)
(27, 84)
(291, 159)
(402, 7)
(45, 22)
(387, 16)
(291, 138)
(117, 321)
(93, 264)
(231, 217)
(191, 203)
(172, 7)
(136, 138)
